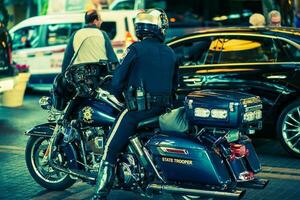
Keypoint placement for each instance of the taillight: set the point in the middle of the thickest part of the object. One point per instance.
(246, 176)
(128, 39)
(238, 151)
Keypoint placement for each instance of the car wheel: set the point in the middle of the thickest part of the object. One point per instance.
(288, 128)
(190, 197)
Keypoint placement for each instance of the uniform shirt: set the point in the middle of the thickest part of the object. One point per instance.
(92, 45)
(149, 62)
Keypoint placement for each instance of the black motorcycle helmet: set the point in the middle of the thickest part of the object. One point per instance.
(151, 23)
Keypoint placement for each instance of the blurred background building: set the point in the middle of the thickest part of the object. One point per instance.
(228, 12)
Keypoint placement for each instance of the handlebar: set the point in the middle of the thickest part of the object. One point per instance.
(105, 96)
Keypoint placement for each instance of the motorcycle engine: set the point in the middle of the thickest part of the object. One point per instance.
(94, 138)
(129, 172)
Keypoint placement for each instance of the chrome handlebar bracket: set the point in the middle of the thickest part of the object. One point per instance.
(105, 96)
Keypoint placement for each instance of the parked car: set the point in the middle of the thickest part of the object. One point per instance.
(40, 41)
(7, 71)
(260, 61)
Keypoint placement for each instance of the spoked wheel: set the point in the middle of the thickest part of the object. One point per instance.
(39, 168)
(288, 128)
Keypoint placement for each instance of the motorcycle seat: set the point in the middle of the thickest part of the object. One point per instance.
(149, 123)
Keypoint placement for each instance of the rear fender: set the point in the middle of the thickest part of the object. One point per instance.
(41, 130)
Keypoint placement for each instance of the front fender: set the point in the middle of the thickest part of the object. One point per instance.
(41, 130)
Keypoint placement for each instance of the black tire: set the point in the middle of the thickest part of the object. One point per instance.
(189, 197)
(36, 173)
(288, 128)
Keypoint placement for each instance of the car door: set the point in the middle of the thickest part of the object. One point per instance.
(251, 63)
(26, 41)
(192, 55)
(243, 62)
(42, 48)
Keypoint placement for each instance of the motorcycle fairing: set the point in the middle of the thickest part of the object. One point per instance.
(97, 113)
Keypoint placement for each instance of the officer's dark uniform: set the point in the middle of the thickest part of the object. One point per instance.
(152, 63)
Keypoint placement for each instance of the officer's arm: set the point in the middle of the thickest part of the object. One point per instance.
(121, 73)
(69, 53)
(109, 49)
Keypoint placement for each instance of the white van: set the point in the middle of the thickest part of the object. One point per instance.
(40, 41)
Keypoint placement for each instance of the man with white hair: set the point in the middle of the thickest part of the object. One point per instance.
(257, 19)
(274, 18)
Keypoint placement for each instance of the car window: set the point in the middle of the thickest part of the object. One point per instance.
(125, 5)
(58, 34)
(235, 49)
(287, 52)
(110, 28)
(194, 52)
(27, 37)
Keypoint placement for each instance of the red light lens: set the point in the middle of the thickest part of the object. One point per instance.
(238, 151)
(246, 176)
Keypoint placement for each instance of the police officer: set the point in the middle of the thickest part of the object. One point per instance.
(86, 45)
(148, 68)
(89, 44)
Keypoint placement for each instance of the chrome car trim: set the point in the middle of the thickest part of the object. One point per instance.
(233, 34)
(237, 64)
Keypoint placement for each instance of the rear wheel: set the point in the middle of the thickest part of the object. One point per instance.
(288, 128)
(39, 168)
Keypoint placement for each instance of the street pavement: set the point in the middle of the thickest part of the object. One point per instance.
(16, 183)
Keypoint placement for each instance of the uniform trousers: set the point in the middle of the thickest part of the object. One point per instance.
(124, 127)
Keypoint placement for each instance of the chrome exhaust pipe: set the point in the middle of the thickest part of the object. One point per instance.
(235, 194)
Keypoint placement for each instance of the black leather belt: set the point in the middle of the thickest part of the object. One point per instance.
(161, 99)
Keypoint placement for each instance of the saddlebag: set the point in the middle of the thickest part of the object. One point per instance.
(185, 160)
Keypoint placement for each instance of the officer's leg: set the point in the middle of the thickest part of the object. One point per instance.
(123, 128)
(117, 141)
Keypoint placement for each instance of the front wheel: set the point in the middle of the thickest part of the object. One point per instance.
(288, 128)
(39, 168)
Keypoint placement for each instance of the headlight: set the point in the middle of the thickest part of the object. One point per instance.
(258, 114)
(249, 116)
(219, 113)
(254, 115)
(201, 112)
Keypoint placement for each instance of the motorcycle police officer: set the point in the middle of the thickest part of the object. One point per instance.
(146, 77)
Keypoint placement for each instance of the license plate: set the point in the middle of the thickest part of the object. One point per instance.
(232, 136)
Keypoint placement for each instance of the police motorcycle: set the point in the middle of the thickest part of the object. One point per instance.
(208, 156)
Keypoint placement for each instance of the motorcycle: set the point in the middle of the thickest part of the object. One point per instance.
(214, 158)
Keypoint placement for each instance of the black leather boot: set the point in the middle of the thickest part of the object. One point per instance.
(105, 180)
